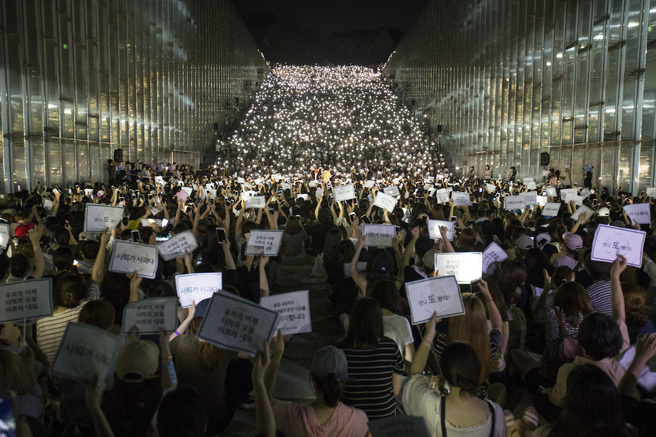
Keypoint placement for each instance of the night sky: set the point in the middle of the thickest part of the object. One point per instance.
(360, 32)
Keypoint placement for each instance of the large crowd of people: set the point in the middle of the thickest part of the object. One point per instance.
(571, 331)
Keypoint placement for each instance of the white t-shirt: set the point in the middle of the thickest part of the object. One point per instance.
(398, 329)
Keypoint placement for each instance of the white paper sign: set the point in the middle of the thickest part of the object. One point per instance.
(47, 204)
(610, 241)
(399, 426)
(651, 192)
(582, 210)
(360, 267)
(294, 311)
(531, 186)
(369, 184)
(541, 200)
(85, 351)
(565, 191)
(574, 198)
(31, 300)
(98, 217)
(442, 195)
(149, 314)
(344, 192)
(267, 242)
(159, 180)
(639, 212)
(319, 193)
(441, 295)
(379, 235)
(237, 324)
(512, 203)
(465, 266)
(493, 253)
(128, 257)
(147, 223)
(302, 196)
(258, 202)
(4, 235)
(531, 198)
(584, 193)
(528, 180)
(176, 246)
(552, 192)
(491, 188)
(392, 190)
(197, 286)
(385, 201)
(434, 229)
(551, 209)
(460, 198)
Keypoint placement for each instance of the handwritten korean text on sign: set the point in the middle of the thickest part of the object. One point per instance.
(441, 295)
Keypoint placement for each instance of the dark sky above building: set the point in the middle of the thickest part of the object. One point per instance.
(328, 31)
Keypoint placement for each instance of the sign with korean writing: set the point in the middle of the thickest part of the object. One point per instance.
(197, 286)
(493, 253)
(651, 192)
(319, 193)
(610, 241)
(578, 200)
(465, 266)
(582, 210)
(128, 257)
(531, 186)
(434, 229)
(98, 217)
(360, 267)
(254, 202)
(29, 300)
(5, 235)
(552, 192)
(531, 198)
(176, 246)
(369, 184)
(528, 180)
(392, 190)
(512, 203)
(149, 314)
(379, 235)
(551, 209)
(639, 212)
(237, 324)
(441, 295)
(585, 193)
(460, 198)
(541, 200)
(399, 426)
(267, 242)
(344, 192)
(293, 309)
(385, 201)
(442, 195)
(85, 351)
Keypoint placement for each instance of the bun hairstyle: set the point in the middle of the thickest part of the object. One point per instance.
(460, 367)
(634, 303)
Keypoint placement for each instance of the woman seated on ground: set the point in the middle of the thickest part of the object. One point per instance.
(472, 328)
(459, 411)
(374, 362)
(327, 415)
(292, 252)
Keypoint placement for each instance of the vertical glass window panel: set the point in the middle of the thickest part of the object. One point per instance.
(69, 162)
(608, 172)
(646, 166)
(55, 168)
(630, 88)
(96, 164)
(649, 95)
(612, 89)
(624, 166)
(581, 97)
(570, 29)
(38, 159)
(19, 174)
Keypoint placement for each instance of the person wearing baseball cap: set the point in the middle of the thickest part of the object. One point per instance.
(327, 415)
(572, 244)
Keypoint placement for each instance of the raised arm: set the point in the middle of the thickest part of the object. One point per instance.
(421, 355)
(409, 250)
(495, 316)
(99, 263)
(617, 298)
(264, 283)
(35, 238)
(359, 280)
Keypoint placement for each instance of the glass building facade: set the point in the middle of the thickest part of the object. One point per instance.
(509, 79)
(81, 78)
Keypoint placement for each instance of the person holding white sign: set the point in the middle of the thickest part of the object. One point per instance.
(204, 367)
(472, 328)
(461, 368)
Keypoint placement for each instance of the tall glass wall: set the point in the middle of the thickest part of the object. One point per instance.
(510, 79)
(80, 78)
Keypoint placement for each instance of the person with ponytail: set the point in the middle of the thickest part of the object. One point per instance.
(327, 415)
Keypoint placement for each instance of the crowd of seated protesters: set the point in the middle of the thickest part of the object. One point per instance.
(458, 371)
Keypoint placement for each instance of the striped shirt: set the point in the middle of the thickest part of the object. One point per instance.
(50, 330)
(370, 378)
(600, 297)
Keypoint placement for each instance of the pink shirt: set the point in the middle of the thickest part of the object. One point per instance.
(299, 420)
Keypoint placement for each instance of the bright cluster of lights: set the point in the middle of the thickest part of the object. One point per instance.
(341, 118)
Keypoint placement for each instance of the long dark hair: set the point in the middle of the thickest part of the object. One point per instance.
(330, 388)
(366, 325)
(591, 399)
(387, 295)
